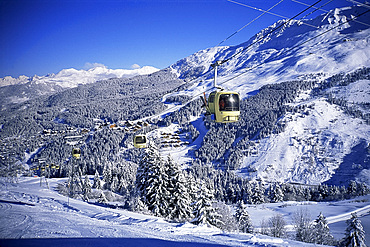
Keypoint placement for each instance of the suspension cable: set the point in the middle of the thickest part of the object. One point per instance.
(264, 12)
(273, 30)
(362, 4)
(316, 9)
(323, 10)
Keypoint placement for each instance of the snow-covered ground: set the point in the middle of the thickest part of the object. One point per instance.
(33, 215)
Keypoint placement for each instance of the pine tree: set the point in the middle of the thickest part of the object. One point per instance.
(102, 199)
(258, 194)
(74, 180)
(243, 218)
(180, 199)
(204, 212)
(86, 189)
(115, 184)
(322, 232)
(276, 193)
(97, 181)
(152, 182)
(355, 234)
(107, 176)
(150, 157)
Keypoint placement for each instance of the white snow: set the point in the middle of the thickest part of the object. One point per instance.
(30, 212)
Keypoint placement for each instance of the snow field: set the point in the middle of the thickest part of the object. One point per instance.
(31, 211)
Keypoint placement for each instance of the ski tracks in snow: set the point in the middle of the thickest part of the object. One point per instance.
(345, 216)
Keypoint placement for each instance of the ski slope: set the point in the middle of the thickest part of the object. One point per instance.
(34, 215)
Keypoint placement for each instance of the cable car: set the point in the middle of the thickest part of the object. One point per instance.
(140, 141)
(224, 105)
(76, 153)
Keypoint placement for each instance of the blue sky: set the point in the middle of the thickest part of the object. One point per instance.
(46, 36)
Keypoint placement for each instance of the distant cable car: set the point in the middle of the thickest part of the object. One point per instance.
(140, 141)
(76, 153)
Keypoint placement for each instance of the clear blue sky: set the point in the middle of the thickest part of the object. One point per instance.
(46, 36)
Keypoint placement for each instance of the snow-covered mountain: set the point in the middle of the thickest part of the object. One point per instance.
(333, 43)
(69, 78)
(23, 88)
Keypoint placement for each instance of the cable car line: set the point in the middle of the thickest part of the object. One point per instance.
(264, 12)
(272, 31)
(326, 11)
(316, 9)
(362, 4)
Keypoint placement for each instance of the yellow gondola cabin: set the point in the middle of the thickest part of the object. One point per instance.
(76, 153)
(225, 106)
(140, 141)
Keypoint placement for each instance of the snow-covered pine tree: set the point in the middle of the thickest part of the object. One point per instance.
(322, 232)
(355, 234)
(152, 182)
(97, 181)
(86, 188)
(243, 219)
(102, 198)
(107, 176)
(204, 212)
(115, 184)
(74, 179)
(275, 193)
(258, 194)
(180, 199)
(150, 156)
(192, 187)
(247, 192)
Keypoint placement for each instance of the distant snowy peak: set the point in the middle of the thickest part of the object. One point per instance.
(68, 78)
(8, 80)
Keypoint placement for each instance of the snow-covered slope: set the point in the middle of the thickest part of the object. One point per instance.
(33, 215)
